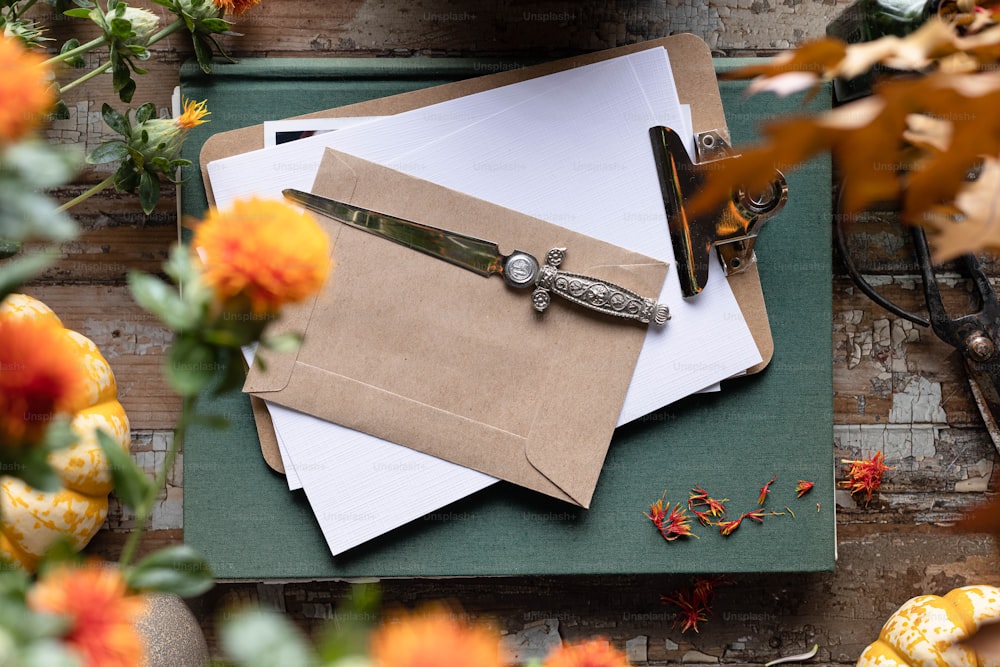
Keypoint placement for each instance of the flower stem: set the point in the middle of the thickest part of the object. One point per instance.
(166, 32)
(72, 53)
(143, 512)
(104, 67)
(88, 194)
(19, 11)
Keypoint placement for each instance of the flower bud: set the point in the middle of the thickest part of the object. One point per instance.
(199, 9)
(145, 24)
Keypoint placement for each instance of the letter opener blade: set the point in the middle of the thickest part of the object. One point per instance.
(518, 269)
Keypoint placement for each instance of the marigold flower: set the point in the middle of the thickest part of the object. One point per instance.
(41, 376)
(26, 94)
(596, 652)
(235, 6)
(672, 522)
(803, 487)
(865, 476)
(101, 613)
(264, 251)
(434, 637)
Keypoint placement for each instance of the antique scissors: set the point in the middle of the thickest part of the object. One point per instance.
(976, 335)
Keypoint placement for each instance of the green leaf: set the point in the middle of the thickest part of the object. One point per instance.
(78, 13)
(127, 91)
(60, 552)
(33, 468)
(132, 486)
(285, 343)
(191, 365)
(180, 570)
(77, 61)
(116, 121)
(59, 111)
(15, 272)
(121, 28)
(214, 25)
(126, 178)
(149, 191)
(109, 151)
(163, 300)
(9, 249)
(203, 53)
(59, 435)
(347, 633)
(261, 639)
(145, 112)
(48, 653)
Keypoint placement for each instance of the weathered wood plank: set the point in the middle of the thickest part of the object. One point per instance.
(896, 388)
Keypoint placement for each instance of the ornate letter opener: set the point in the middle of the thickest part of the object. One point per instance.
(518, 269)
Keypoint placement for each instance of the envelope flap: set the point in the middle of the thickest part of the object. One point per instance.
(549, 451)
(422, 353)
(294, 318)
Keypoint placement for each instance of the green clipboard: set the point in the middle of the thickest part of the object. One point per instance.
(240, 514)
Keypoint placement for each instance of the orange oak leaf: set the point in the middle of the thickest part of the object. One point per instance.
(978, 228)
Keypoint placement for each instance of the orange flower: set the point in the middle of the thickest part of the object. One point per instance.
(102, 615)
(865, 476)
(235, 6)
(41, 375)
(672, 522)
(265, 251)
(591, 653)
(194, 114)
(25, 89)
(434, 637)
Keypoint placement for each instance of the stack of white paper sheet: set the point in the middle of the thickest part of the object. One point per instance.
(571, 148)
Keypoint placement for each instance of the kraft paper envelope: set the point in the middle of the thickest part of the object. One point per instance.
(417, 351)
(695, 78)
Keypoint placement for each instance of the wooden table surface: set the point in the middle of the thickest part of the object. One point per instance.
(896, 387)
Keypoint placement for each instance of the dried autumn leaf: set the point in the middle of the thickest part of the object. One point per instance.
(927, 133)
(978, 203)
(916, 51)
(863, 135)
(792, 71)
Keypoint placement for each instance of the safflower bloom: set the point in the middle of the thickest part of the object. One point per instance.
(101, 613)
(591, 653)
(434, 637)
(41, 376)
(163, 138)
(235, 6)
(265, 252)
(26, 94)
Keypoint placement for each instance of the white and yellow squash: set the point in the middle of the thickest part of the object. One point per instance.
(31, 520)
(928, 630)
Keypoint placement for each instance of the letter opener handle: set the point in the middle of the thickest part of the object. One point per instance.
(518, 269)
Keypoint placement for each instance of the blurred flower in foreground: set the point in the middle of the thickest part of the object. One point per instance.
(434, 637)
(42, 376)
(262, 254)
(591, 653)
(101, 613)
(26, 94)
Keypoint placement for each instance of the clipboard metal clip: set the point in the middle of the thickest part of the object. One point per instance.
(732, 227)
